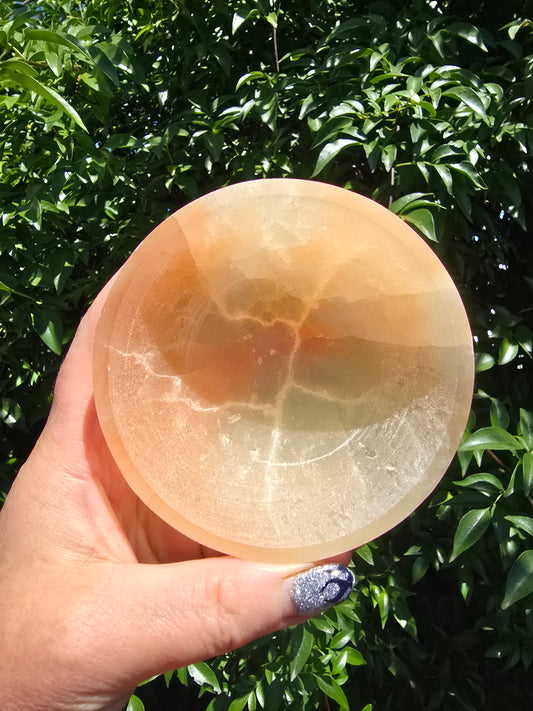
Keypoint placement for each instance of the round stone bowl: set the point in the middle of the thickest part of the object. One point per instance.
(283, 370)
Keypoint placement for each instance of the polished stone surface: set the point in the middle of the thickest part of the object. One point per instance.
(283, 370)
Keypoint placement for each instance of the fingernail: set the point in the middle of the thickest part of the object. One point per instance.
(320, 588)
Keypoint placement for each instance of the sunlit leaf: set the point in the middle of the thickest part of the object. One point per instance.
(491, 438)
(274, 695)
(365, 552)
(519, 582)
(16, 65)
(484, 361)
(468, 32)
(48, 325)
(524, 523)
(527, 473)
(11, 414)
(410, 202)
(58, 38)
(423, 221)
(483, 481)
(332, 689)
(239, 703)
(331, 151)
(106, 58)
(135, 704)
(203, 674)
(354, 657)
(300, 651)
(499, 416)
(55, 62)
(26, 81)
(470, 172)
(508, 351)
(470, 529)
(445, 175)
(526, 427)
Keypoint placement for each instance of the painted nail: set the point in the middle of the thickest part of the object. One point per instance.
(320, 588)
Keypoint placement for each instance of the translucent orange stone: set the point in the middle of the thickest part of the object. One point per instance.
(283, 370)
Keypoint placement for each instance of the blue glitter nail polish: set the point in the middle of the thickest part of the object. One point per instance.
(320, 588)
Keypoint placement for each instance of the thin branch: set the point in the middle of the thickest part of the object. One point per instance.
(392, 181)
(497, 459)
(275, 40)
(393, 175)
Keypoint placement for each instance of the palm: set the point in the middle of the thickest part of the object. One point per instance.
(151, 539)
(103, 516)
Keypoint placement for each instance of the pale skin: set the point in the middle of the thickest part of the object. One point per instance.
(97, 593)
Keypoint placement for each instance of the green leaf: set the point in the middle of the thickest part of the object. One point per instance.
(491, 438)
(239, 704)
(122, 140)
(330, 151)
(420, 567)
(470, 529)
(107, 58)
(524, 336)
(483, 482)
(509, 491)
(388, 156)
(526, 427)
(464, 459)
(422, 220)
(48, 325)
(341, 639)
(308, 104)
(17, 65)
(55, 62)
(465, 578)
(66, 40)
(182, 675)
(272, 19)
(508, 351)
(28, 82)
(203, 674)
(484, 361)
(147, 681)
(334, 127)
(445, 175)
(11, 414)
(354, 657)
(499, 417)
(524, 523)
(215, 143)
(239, 19)
(135, 704)
(410, 202)
(300, 651)
(469, 171)
(469, 33)
(249, 77)
(332, 689)
(469, 97)
(61, 266)
(365, 552)
(527, 473)
(519, 582)
(274, 695)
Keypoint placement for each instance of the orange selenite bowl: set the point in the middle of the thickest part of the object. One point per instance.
(283, 370)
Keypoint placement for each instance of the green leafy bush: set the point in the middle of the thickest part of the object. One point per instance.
(116, 113)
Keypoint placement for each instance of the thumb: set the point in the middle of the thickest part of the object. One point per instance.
(158, 618)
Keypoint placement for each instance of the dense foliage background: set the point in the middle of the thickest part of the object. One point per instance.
(115, 113)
